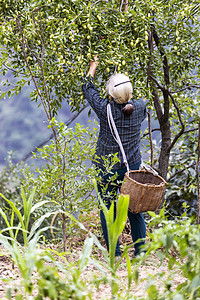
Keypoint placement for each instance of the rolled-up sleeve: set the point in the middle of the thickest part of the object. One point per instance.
(93, 97)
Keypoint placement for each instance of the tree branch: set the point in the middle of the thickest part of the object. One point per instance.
(40, 61)
(157, 105)
(177, 136)
(22, 15)
(157, 83)
(166, 105)
(179, 172)
(186, 88)
(28, 66)
(52, 135)
(165, 62)
(14, 71)
(150, 43)
(32, 76)
(158, 129)
(191, 130)
(197, 58)
(152, 130)
(121, 5)
(126, 6)
(150, 136)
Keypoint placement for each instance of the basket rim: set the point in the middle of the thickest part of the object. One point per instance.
(163, 183)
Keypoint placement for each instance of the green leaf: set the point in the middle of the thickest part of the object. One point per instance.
(87, 249)
(178, 297)
(37, 224)
(128, 264)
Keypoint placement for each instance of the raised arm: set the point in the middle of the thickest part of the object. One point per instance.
(93, 65)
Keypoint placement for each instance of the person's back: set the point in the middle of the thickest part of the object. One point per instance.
(128, 115)
(128, 127)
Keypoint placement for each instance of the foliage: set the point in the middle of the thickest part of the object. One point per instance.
(175, 241)
(178, 241)
(48, 44)
(23, 256)
(56, 39)
(182, 186)
(10, 180)
(23, 219)
(65, 176)
(115, 227)
(51, 284)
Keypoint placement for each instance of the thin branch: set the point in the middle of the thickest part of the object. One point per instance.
(158, 129)
(42, 6)
(28, 66)
(83, 10)
(152, 130)
(177, 136)
(186, 88)
(197, 58)
(14, 71)
(126, 6)
(163, 115)
(23, 15)
(150, 43)
(191, 130)
(157, 105)
(121, 5)
(41, 62)
(157, 83)
(42, 37)
(179, 172)
(166, 105)
(165, 61)
(32, 76)
(52, 135)
(36, 27)
(150, 136)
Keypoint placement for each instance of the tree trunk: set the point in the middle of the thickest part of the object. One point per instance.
(163, 118)
(64, 232)
(164, 153)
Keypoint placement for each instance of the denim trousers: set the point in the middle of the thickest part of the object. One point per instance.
(108, 192)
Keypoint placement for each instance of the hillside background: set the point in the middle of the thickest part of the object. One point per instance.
(23, 125)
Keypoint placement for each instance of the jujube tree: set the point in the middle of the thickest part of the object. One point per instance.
(48, 44)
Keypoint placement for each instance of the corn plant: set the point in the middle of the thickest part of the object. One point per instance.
(24, 220)
(23, 255)
(114, 228)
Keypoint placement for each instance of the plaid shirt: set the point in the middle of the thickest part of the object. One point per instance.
(128, 127)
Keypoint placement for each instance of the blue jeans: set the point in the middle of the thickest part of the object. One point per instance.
(108, 192)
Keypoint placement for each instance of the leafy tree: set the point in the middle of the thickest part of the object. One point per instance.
(65, 178)
(48, 44)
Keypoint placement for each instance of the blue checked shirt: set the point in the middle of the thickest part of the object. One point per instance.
(128, 127)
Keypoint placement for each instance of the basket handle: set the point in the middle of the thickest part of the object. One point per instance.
(148, 168)
(116, 136)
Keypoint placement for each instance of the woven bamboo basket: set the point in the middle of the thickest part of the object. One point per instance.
(145, 189)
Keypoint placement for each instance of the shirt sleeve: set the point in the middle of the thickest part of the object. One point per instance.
(93, 97)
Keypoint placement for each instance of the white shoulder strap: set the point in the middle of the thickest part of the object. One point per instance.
(116, 136)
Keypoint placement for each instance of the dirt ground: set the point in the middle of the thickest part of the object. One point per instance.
(11, 277)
